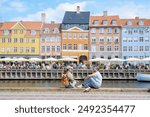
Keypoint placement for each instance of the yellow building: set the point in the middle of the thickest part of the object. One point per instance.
(20, 39)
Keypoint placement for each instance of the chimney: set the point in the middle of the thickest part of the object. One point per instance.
(78, 9)
(52, 22)
(136, 17)
(104, 13)
(43, 17)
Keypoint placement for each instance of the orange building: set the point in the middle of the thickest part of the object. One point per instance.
(75, 35)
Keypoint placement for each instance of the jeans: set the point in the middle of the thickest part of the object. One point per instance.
(90, 82)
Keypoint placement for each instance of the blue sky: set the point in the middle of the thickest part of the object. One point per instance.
(15, 10)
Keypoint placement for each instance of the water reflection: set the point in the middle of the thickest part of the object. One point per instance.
(56, 83)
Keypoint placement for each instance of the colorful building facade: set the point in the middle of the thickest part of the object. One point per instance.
(20, 39)
(50, 43)
(135, 38)
(105, 37)
(75, 35)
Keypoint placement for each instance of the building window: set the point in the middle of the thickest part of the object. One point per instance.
(46, 30)
(141, 31)
(101, 40)
(116, 40)
(52, 39)
(32, 49)
(146, 39)
(108, 40)
(27, 50)
(116, 30)
(6, 32)
(21, 49)
(129, 22)
(43, 40)
(141, 48)
(101, 48)
(53, 48)
(15, 31)
(93, 40)
(130, 39)
(74, 35)
(21, 40)
(58, 48)
(141, 39)
(116, 48)
(130, 31)
(93, 30)
(27, 40)
(69, 46)
(80, 46)
(9, 49)
(48, 48)
(135, 48)
(104, 22)
(64, 47)
(58, 38)
(95, 22)
(101, 30)
(124, 39)
(43, 48)
(135, 30)
(124, 48)
(86, 36)
(108, 48)
(109, 30)
(15, 40)
(135, 39)
(64, 35)
(80, 36)
(130, 48)
(75, 47)
(93, 48)
(47, 39)
(85, 47)
(33, 32)
(114, 22)
(9, 40)
(69, 35)
(141, 23)
(3, 40)
(56, 30)
(32, 40)
(146, 48)
(15, 49)
(21, 31)
(3, 49)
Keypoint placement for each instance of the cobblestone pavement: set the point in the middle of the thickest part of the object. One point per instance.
(74, 96)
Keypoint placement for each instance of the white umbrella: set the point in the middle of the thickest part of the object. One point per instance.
(6, 59)
(146, 59)
(50, 59)
(20, 59)
(116, 60)
(132, 59)
(34, 60)
(98, 60)
(68, 59)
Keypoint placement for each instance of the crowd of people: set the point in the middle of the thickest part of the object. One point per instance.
(57, 65)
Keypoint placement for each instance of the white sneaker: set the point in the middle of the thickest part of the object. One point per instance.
(87, 89)
(80, 86)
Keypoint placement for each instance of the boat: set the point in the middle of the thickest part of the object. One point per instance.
(143, 77)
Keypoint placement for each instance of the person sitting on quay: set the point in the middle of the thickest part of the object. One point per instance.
(92, 81)
(67, 78)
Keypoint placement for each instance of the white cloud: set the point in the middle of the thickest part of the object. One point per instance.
(130, 10)
(55, 14)
(18, 6)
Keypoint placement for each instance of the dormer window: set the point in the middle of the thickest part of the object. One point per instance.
(129, 22)
(104, 22)
(113, 22)
(46, 30)
(141, 22)
(56, 30)
(33, 32)
(6, 32)
(95, 22)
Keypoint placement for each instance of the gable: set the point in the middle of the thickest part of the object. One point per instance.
(18, 26)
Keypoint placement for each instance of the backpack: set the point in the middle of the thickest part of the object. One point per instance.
(64, 80)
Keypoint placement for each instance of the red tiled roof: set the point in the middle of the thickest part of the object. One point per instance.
(108, 18)
(32, 25)
(7, 25)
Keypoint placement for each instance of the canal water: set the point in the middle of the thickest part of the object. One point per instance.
(56, 83)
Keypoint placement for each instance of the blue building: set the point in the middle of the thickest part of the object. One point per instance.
(135, 38)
